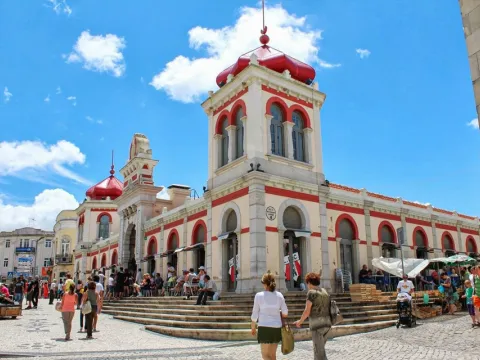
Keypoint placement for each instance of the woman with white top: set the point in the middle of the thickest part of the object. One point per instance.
(266, 312)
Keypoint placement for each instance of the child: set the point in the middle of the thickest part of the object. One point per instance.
(469, 296)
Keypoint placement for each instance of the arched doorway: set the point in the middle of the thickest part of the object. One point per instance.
(420, 239)
(94, 264)
(132, 264)
(103, 263)
(198, 239)
(448, 244)
(172, 245)
(231, 249)
(293, 248)
(151, 251)
(388, 241)
(347, 234)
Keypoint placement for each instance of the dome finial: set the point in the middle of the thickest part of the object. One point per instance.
(112, 169)
(264, 39)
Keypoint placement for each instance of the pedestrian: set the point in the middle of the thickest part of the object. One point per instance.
(59, 289)
(209, 290)
(317, 309)
(101, 292)
(469, 301)
(36, 291)
(18, 293)
(79, 292)
(69, 301)
(92, 296)
(83, 326)
(268, 309)
(45, 290)
(53, 291)
(120, 282)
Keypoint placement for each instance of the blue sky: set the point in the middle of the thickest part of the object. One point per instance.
(78, 78)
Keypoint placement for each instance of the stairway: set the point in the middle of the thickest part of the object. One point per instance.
(229, 318)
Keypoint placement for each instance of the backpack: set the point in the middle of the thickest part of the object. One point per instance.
(335, 315)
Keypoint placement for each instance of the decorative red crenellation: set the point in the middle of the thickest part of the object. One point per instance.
(316, 234)
(411, 203)
(344, 188)
(245, 230)
(113, 246)
(271, 229)
(134, 177)
(443, 211)
(147, 176)
(469, 231)
(446, 227)
(102, 250)
(196, 216)
(173, 224)
(381, 197)
(287, 96)
(231, 101)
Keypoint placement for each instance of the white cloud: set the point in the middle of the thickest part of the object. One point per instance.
(47, 99)
(363, 53)
(72, 98)
(59, 90)
(99, 53)
(92, 120)
(7, 95)
(37, 158)
(44, 210)
(60, 7)
(186, 79)
(163, 194)
(473, 124)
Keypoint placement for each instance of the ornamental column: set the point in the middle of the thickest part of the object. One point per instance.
(307, 135)
(461, 244)
(268, 122)
(437, 250)
(367, 205)
(232, 142)
(287, 139)
(326, 268)
(281, 285)
(217, 151)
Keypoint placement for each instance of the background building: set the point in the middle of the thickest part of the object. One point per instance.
(64, 244)
(27, 251)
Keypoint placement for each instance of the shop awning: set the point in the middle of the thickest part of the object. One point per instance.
(393, 266)
(166, 253)
(194, 247)
(179, 250)
(223, 236)
(300, 233)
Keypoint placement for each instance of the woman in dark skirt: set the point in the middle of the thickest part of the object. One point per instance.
(266, 312)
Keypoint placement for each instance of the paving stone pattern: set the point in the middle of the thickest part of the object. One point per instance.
(38, 334)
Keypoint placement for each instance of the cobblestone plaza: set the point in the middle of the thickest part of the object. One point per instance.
(39, 334)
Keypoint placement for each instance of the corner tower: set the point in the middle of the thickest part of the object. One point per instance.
(265, 177)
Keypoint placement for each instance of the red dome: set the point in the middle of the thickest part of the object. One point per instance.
(110, 187)
(272, 59)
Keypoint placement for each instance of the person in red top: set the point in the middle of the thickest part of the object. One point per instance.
(4, 290)
(69, 303)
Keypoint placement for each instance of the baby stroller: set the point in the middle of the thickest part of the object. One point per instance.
(405, 313)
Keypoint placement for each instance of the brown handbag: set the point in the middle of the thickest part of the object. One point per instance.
(288, 341)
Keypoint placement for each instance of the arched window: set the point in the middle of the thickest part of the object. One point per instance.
(103, 263)
(387, 235)
(199, 235)
(231, 221)
(471, 246)
(240, 132)
(346, 230)
(152, 247)
(276, 130)
(94, 263)
(448, 246)
(420, 239)
(104, 227)
(292, 219)
(297, 136)
(173, 243)
(65, 247)
(80, 232)
(114, 258)
(224, 145)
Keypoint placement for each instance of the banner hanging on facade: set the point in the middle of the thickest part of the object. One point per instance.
(232, 266)
(297, 269)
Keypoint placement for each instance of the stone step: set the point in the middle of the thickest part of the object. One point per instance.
(204, 325)
(244, 334)
(199, 310)
(211, 306)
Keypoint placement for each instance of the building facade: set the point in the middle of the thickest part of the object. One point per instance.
(267, 204)
(26, 251)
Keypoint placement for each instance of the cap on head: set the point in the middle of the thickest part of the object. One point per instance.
(201, 268)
